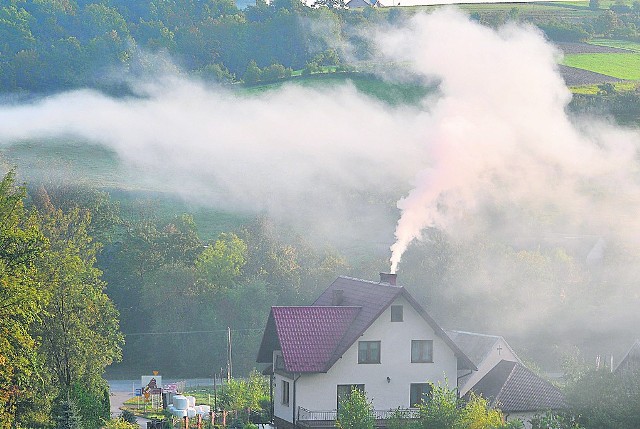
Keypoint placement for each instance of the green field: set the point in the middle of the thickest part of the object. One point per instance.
(621, 66)
(620, 44)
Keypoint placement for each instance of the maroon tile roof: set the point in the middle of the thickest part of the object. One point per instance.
(309, 335)
(512, 387)
(303, 333)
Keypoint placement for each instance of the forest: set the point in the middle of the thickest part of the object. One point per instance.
(53, 45)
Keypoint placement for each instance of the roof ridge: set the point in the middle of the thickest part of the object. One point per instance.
(475, 333)
(316, 306)
(370, 282)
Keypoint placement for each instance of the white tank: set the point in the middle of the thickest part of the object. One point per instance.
(191, 412)
(192, 401)
(181, 402)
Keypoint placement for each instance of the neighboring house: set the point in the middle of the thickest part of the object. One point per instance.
(631, 361)
(485, 351)
(371, 336)
(518, 392)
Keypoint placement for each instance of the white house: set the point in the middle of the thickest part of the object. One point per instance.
(371, 336)
(485, 351)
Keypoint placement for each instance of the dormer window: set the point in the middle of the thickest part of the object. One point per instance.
(396, 313)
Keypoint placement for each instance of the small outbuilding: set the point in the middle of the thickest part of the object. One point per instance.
(518, 392)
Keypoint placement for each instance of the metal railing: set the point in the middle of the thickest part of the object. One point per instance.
(331, 415)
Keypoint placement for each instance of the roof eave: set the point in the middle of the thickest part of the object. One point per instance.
(265, 352)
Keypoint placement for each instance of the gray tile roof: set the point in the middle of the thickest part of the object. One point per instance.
(630, 361)
(512, 387)
(476, 346)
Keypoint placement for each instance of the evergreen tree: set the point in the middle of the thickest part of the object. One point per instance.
(67, 415)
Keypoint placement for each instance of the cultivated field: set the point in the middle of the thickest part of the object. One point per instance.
(621, 66)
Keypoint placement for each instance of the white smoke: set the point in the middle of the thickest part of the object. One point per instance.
(495, 134)
(499, 133)
(293, 152)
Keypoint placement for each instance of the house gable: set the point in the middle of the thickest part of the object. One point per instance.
(485, 351)
(387, 383)
(376, 298)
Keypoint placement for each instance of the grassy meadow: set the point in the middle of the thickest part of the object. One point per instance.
(621, 66)
(620, 44)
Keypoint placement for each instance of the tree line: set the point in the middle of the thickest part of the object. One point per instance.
(52, 45)
(58, 328)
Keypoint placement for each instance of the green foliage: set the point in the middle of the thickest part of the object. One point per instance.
(67, 415)
(22, 301)
(246, 393)
(252, 74)
(550, 420)
(356, 412)
(275, 72)
(80, 331)
(604, 400)
(442, 410)
(607, 88)
(92, 402)
(563, 31)
(221, 263)
(128, 417)
(119, 423)
(477, 414)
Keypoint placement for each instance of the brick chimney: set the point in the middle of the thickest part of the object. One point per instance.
(337, 297)
(388, 278)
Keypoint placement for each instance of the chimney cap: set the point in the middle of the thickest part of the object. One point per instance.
(388, 278)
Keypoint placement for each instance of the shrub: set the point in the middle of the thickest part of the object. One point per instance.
(119, 423)
(128, 416)
(356, 412)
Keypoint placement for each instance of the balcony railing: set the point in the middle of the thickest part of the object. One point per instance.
(330, 415)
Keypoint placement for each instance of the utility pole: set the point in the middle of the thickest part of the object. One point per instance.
(229, 363)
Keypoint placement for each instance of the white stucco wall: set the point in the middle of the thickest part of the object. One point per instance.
(319, 391)
(491, 360)
(281, 410)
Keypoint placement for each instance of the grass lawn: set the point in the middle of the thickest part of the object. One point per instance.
(621, 66)
(621, 44)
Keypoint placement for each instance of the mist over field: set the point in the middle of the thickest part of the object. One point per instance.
(491, 156)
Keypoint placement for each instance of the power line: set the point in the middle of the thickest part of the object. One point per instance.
(191, 332)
